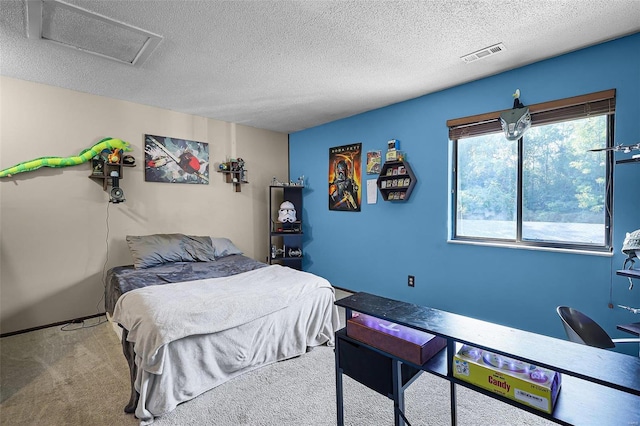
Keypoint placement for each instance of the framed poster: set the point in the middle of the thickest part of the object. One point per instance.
(174, 160)
(345, 177)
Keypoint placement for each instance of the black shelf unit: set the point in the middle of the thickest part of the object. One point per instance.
(285, 236)
(598, 386)
(396, 181)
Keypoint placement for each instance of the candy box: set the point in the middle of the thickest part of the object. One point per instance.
(523, 382)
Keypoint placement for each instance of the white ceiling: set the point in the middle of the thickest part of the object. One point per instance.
(290, 65)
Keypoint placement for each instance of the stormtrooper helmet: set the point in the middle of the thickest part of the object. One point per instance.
(287, 212)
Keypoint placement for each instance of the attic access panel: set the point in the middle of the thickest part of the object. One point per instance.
(78, 28)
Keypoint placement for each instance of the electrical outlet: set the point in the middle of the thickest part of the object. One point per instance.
(411, 281)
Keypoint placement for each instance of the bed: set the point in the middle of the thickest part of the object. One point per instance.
(195, 312)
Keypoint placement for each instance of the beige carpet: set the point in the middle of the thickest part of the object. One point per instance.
(54, 377)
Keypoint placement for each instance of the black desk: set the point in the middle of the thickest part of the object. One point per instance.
(598, 386)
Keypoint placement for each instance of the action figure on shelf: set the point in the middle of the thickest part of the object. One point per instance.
(240, 168)
(277, 252)
(287, 212)
(276, 182)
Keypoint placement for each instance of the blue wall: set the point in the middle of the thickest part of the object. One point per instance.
(374, 250)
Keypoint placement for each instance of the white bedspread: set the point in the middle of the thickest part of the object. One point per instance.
(236, 323)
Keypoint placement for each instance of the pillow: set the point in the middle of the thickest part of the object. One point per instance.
(224, 247)
(156, 249)
(200, 248)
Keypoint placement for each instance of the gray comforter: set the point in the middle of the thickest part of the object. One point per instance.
(122, 279)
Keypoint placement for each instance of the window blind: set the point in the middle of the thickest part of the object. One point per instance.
(582, 106)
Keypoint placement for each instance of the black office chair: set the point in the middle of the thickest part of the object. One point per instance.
(582, 329)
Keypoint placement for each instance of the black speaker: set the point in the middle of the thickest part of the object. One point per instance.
(117, 194)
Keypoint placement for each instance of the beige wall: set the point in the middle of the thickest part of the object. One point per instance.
(55, 223)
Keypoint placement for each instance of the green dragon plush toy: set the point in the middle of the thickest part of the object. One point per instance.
(83, 157)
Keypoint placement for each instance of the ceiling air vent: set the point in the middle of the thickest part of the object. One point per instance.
(483, 53)
(78, 28)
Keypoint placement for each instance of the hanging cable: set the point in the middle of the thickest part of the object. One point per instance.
(106, 260)
(79, 324)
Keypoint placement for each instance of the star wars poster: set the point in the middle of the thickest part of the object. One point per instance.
(175, 160)
(345, 178)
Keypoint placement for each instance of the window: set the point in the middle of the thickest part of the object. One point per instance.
(546, 189)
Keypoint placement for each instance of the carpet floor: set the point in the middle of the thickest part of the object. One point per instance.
(80, 377)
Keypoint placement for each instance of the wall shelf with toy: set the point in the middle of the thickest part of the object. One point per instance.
(234, 172)
(396, 179)
(108, 165)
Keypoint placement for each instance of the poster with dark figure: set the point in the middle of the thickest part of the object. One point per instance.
(345, 177)
(175, 160)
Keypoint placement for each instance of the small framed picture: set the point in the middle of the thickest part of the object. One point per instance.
(98, 167)
(383, 184)
(407, 181)
(402, 194)
(395, 171)
(401, 170)
(389, 172)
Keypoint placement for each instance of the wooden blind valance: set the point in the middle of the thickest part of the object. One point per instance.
(597, 103)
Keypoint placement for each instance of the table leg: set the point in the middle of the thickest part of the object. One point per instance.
(398, 393)
(339, 388)
(454, 408)
(451, 350)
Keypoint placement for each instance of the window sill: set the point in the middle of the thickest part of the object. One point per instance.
(535, 248)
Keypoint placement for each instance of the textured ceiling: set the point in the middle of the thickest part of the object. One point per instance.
(291, 65)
